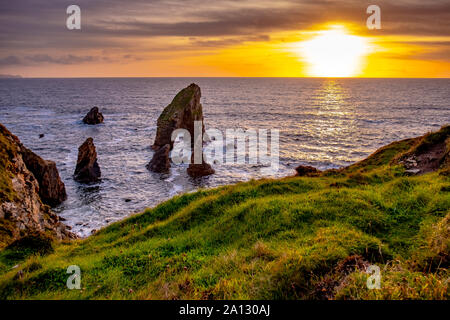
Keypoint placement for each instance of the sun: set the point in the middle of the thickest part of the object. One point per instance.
(334, 53)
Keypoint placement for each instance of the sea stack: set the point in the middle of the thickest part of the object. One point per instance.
(87, 169)
(181, 113)
(94, 116)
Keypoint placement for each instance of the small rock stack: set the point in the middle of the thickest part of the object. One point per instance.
(87, 169)
(94, 116)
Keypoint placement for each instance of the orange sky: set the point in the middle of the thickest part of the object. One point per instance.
(226, 38)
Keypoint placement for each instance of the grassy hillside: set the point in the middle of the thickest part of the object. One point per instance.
(292, 238)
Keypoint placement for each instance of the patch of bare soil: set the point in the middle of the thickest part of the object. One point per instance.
(427, 160)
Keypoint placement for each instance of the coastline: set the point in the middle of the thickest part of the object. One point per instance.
(337, 223)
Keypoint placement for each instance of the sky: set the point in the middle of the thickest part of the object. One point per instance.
(225, 38)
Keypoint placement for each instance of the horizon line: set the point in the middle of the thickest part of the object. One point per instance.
(214, 77)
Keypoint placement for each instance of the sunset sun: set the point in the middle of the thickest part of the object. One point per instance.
(333, 53)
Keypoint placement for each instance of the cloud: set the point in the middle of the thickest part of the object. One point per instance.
(45, 58)
(42, 22)
(69, 59)
(215, 43)
(9, 60)
(33, 31)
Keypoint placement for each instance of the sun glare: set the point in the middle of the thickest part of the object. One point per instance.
(334, 53)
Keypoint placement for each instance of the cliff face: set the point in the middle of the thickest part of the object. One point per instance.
(21, 209)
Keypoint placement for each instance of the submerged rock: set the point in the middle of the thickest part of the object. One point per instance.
(87, 169)
(51, 187)
(181, 113)
(94, 116)
(22, 211)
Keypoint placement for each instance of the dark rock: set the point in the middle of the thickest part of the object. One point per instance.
(93, 117)
(307, 171)
(87, 169)
(51, 187)
(200, 170)
(41, 136)
(160, 161)
(181, 113)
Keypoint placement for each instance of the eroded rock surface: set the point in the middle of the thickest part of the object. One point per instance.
(51, 187)
(22, 211)
(160, 162)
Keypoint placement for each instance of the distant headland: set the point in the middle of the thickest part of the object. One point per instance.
(10, 76)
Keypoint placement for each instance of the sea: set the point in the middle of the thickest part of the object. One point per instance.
(322, 122)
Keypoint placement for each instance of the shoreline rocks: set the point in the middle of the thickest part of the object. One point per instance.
(87, 169)
(22, 211)
(94, 116)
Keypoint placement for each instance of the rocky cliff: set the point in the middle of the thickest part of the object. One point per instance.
(22, 210)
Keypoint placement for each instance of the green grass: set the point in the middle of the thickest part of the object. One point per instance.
(265, 239)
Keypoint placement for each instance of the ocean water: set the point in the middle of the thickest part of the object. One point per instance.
(326, 123)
